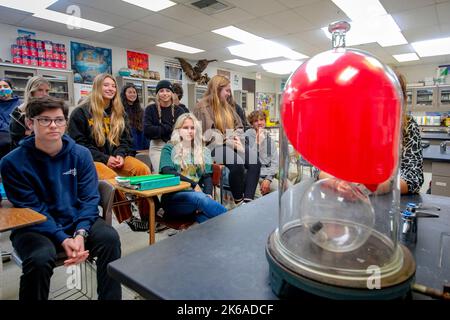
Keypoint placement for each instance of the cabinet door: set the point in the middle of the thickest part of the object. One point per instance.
(19, 78)
(150, 92)
(61, 84)
(425, 97)
(444, 97)
(409, 98)
(199, 92)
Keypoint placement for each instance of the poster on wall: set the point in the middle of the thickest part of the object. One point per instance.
(137, 60)
(88, 61)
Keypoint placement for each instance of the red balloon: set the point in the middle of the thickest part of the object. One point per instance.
(341, 111)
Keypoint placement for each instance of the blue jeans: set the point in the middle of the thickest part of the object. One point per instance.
(185, 203)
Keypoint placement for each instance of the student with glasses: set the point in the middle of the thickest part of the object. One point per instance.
(51, 174)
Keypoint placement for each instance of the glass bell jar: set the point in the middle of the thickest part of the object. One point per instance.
(341, 114)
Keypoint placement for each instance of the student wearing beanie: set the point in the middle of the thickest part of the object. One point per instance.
(159, 119)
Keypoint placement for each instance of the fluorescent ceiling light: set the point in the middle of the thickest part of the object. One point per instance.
(435, 47)
(71, 20)
(240, 62)
(282, 67)
(27, 5)
(361, 9)
(179, 47)
(381, 29)
(237, 34)
(406, 57)
(265, 49)
(153, 5)
(371, 23)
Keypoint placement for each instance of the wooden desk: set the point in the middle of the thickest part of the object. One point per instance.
(148, 194)
(13, 218)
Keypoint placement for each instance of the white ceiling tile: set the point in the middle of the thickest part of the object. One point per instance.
(97, 15)
(422, 33)
(233, 15)
(56, 28)
(259, 8)
(150, 30)
(208, 41)
(445, 31)
(443, 11)
(321, 14)
(296, 3)
(294, 23)
(396, 6)
(316, 38)
(131, 36)
(193, 17)
(289, 21)
(170, 24)
(415, 18)
(116, 7)
(260, 28)
(294, 42)
(404, 48)
(11, 16)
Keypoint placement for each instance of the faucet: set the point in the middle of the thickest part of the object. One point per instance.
(443, 146)
(409, 221)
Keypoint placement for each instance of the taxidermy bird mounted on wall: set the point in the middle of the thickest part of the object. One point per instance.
(195, 73)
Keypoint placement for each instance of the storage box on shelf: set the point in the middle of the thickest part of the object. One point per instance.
(61, 81)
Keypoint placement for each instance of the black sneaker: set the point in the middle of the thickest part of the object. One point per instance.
(137, 224)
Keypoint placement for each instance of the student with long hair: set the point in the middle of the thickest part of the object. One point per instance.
(37, 87)
(135, 113)
(186, 156)
(223, 129)
(101, 125)
(159, 119)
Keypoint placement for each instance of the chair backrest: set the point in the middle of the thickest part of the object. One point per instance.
(145, 158)
(106, 191)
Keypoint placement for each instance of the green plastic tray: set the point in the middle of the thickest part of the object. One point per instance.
(149, 182)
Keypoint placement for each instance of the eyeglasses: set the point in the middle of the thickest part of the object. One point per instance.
(45, 122)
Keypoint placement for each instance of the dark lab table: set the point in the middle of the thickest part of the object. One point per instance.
(224, 258)
(435, 136)
(433, 153)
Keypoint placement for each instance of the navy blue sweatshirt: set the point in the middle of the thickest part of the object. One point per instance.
(6, 108)
(64, 188)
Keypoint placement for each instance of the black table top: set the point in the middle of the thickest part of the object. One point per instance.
(224, 258)
(435, 136)
(433, 153)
